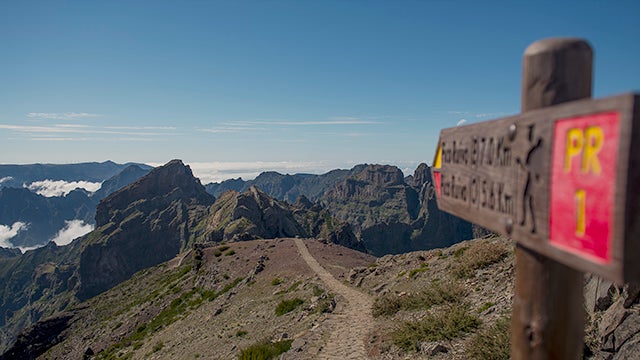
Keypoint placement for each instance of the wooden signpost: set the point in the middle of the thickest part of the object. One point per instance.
(563, 180)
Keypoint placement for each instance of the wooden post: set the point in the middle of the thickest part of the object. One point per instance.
(548, 314)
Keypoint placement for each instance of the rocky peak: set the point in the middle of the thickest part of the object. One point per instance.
(422, 175)
(382, 175)
(171, 181)
(302, 202)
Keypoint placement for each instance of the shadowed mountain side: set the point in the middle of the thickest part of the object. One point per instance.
(389, 213)
(393, 217)
(43, 216)
(127, 176)
(141, 225)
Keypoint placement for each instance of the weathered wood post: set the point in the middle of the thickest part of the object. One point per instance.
(548, 314)
(561, 180)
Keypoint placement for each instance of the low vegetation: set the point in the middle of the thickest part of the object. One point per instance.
(287, 306)
(477, 256)
(492, 342)
(435, 294)
(449, 323)
(265, 350)
(179, 307)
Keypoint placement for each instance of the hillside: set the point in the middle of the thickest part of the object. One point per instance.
(321, 301)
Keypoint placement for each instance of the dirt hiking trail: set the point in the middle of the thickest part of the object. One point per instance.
(352, 324)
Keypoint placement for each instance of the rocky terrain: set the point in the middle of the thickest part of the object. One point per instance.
(389, 214)
(141, 225)
(323, 301)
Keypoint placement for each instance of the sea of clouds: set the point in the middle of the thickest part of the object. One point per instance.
(51, 188)
(72, 229)
(7, 232)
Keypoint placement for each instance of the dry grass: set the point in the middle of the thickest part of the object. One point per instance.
(477, 256)
(435, 294)
(451, 322)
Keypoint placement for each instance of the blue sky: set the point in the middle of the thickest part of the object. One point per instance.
(234, 88)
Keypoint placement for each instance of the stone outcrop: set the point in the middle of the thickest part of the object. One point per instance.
(141, 225)
(391, 216)
(255, 215)
(35, 340)
(614, 319)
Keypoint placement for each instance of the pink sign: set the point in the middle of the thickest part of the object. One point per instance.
(583, 175)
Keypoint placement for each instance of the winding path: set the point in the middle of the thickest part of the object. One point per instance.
(352, 324)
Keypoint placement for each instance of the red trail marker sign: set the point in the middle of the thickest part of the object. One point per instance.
(562, 181)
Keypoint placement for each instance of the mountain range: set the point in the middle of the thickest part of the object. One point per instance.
(166, 255)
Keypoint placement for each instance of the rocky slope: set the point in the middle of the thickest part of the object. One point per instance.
(141, 225)
(391, 216)
(255, 215)
(387, 214)
(215, 301)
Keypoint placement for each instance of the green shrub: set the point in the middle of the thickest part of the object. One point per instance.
(460, 251)
(317, 291)
(491, 343)
(265, 350)
(158, 346)
(286, 306)
(241, 333)
(276, 281)
(230, 252)
(324, 304)
(294, 286)
(435, 294)
(451, 323)
(423, 267)
(486, 306)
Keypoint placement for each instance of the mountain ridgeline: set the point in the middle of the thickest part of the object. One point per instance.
(388, 213)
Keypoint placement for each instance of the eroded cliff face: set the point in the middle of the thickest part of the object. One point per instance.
(391, 216)
(255, 215)
(141, 225)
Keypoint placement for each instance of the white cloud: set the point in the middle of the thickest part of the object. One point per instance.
(73, 229)
(24, 249)
(219, 171)
(42, 131)
(321, 122)
(61, 116)
(461, 122)
(50, 188)
(8, 232)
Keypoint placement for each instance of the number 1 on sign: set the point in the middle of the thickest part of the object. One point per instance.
(581, 207)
